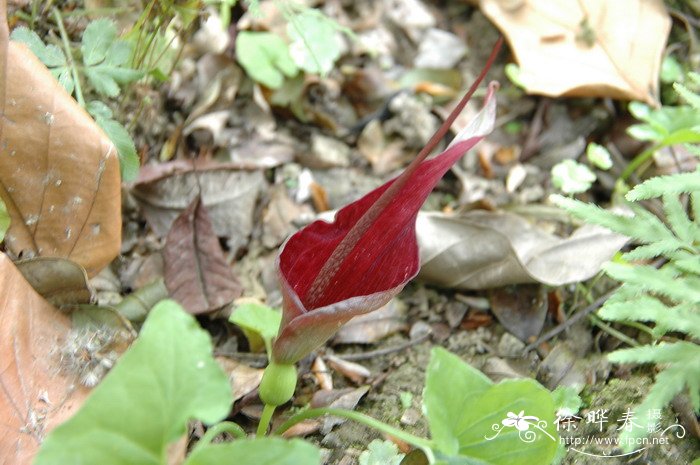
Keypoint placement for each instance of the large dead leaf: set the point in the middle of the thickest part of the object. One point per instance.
(59, 173)
(59, 281)
(585, 48)
(482, 250)
(196, 272)
(228, 192)
(35, 395)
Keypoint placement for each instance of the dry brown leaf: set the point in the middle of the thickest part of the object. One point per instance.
(480, 250)
(520, 309)
(59, 173)
(373, 326)
(36, 394)
(594, 48)
(243, 379)
(58, 280)
(196, 272)
(228, 192)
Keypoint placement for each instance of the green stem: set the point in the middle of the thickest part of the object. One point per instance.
(358, 417)
(69, 55)
(612, 331)
(638, 161)
(265, 419)
(224, 427)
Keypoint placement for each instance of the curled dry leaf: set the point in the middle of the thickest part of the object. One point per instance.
(520, 309)
(228, 192)
(59, 173)
(482, 250)
(353, 371)
(371, 327)
(196, 272)
(594, 48)
(58, 280)
(243, 379)
(323, 376)
(36, 394)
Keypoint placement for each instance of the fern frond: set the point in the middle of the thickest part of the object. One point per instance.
(677, 217)
(643, 226)
(688, 95)
(659, 281)
(653, 250)
(689, 264)
(684, 318)
(695, 207)
(669, 383)
(666, 352)
(677, 184)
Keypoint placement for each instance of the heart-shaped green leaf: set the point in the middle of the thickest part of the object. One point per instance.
(261, 451)
(470, 417)
(165, 379)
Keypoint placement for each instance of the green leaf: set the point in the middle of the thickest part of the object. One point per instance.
(683, 318)
(265, 57)
(51, 55)
(97, 40)
(165, 379)
(259, 451)
(381, 453)
(671, 70)
(315, 43)
(566, 401)
(466, 414)
(666, 125)
(599, 156)
(257, 321)
(105, 58)
(686, 94)
(672, 184)
(4, 220)
(644, 226)
(129, 161)
(678, 218)
(572, 177)
(669, 383)
(514, 73)
(660, 281)
(682, 353)
(99, 110)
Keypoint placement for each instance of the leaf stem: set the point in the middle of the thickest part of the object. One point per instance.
(69, 55)
(224, 427)
(638, 161)
(360, 418)
(612, 331)
(265, 419)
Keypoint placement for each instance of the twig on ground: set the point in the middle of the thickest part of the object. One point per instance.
(571, 321)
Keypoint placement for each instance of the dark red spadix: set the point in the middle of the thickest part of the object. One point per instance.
(332, 272)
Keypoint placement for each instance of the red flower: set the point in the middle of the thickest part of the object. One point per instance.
(332, 272)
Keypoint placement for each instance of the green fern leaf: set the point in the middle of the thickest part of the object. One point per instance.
(690, 264)
(672, 184)
(660, 281)
(653, 250)
(642, 226)
(665, 352)
(688, 95)
(677, 217)
(695, 205)
(683, 317)
(669, 383)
